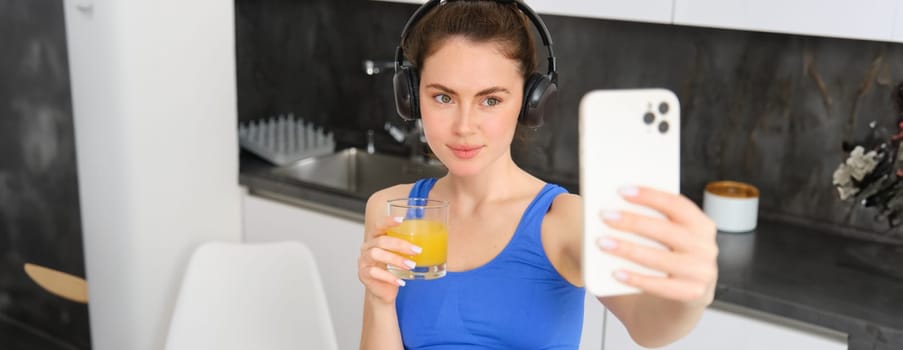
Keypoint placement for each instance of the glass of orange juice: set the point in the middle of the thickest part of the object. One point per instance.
(426, 226)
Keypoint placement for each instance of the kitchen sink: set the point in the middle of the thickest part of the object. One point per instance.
(357, 172)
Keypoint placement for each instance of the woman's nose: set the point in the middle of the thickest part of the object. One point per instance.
(465, 122)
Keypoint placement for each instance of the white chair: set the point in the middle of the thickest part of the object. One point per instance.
(251, 296)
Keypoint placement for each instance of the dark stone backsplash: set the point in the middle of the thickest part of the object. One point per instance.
(769, 109)
(39, 208)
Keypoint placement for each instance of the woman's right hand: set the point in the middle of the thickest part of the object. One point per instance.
(378, 251)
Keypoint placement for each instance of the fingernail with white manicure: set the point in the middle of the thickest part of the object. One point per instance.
(410, 264)
(400, 282)
(607, 243)
(620, 276)
(416, 249)
(398, 219)
(611, 215)
(629, 191)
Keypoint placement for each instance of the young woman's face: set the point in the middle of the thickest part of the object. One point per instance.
(470, 97)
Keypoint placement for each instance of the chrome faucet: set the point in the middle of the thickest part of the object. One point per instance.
(371, 145)
(372, 67)
(413, 138)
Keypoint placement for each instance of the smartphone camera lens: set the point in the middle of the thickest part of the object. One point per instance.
(663, 127)
(663, 107)
(648, 118)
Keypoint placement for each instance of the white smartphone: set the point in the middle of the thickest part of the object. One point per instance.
(627, 137)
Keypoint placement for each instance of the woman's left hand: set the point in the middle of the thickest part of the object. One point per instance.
(689, 263)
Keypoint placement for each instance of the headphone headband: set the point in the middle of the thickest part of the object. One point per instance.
(526, 10)
(539, 89)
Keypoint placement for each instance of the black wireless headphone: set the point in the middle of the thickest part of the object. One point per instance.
(538, 88)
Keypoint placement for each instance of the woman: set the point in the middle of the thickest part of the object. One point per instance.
(515, 274)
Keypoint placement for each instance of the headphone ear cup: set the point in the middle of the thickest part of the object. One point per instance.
(406, 84)
(539, 93)
(414, 81)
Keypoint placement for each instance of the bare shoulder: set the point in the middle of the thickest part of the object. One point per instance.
(567, 207)
(381, 196)
(566, 217)
(376, 204)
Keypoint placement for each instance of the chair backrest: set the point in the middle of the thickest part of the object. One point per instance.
(265, 296)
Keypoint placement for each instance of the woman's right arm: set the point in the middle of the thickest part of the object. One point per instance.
(380, 327)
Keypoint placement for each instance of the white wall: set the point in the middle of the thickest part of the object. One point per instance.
(154, 99)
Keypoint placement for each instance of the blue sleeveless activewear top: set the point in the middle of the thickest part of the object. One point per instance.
(515, 301)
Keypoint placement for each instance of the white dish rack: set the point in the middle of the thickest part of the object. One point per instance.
(285, 139)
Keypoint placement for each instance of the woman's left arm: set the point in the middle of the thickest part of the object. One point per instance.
(670, 305)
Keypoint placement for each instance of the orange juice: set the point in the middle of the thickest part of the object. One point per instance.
(430, 235)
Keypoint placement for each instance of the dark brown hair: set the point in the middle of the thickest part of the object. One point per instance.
(480, 21)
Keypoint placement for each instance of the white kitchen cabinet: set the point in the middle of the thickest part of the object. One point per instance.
(656, 11)
(593, 323)
(898, 23)
(730, 327)
(866, 19)
(880, 20)
(335, 243)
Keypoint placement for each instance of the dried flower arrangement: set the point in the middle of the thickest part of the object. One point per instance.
(872, 174)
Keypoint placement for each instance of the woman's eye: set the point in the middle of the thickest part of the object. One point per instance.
(492, 101)
(442, 98)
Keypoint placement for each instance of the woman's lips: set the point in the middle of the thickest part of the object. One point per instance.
(465, 151)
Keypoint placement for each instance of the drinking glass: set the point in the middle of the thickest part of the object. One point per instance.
(426, 226)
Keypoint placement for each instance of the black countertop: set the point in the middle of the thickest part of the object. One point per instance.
(784, 269)
(794, 272)
(15, 335)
